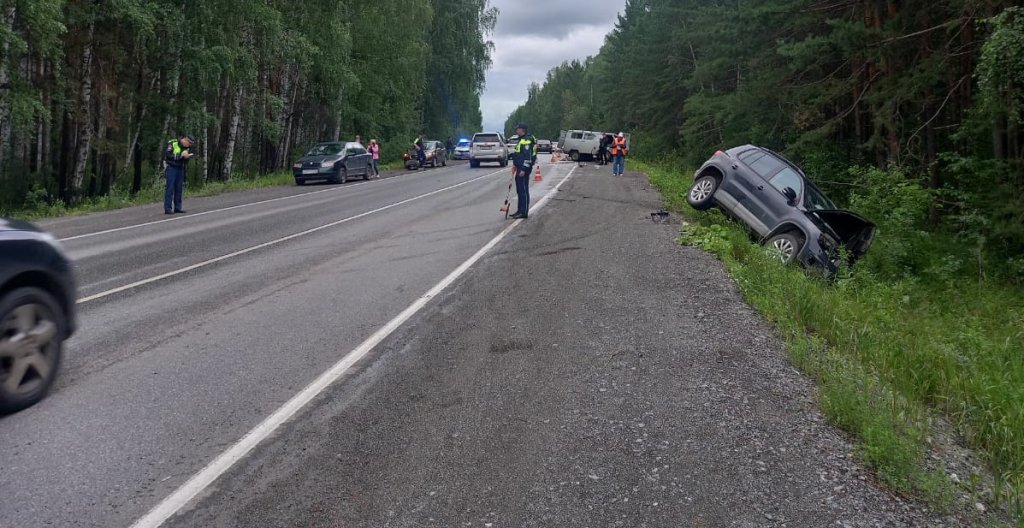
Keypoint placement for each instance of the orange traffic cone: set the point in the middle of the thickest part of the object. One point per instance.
(538, 177)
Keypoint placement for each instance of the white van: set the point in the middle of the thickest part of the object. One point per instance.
(582, 144)
(579, 144)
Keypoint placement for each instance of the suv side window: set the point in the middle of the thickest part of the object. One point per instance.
(788, 177)
(766, 165)
(749, 156)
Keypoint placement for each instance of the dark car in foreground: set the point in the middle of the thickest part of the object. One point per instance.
(37, 312)
(434, 152)
(335, 162)
(777, 201)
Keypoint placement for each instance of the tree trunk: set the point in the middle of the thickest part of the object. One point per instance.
(229, 149)
(5, 79)
(204, 137)
(65, 147)
(85, 124)
(283, 116)
(172, 99)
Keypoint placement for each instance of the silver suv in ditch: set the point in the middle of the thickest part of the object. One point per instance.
(488, 147)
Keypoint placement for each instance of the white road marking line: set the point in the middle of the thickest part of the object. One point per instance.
(193, 215)
(206, 476)
(215, 260)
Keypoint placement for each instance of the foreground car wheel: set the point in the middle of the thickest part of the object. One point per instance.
(702, 193)
(785, 247)
(31, 329)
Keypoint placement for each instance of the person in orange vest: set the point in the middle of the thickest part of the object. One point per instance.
(619, 152)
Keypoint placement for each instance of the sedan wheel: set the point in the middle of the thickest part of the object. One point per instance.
(31, 327)
(784, 247)
(702, 193)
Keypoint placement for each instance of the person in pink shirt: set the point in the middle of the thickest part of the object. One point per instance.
(375, 151)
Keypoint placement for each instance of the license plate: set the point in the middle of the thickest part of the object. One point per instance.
(309, 171)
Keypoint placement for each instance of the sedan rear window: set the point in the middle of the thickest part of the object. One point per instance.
(486, 138)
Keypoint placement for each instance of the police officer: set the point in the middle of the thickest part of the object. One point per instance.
(421, 150)
(177, 156)
(524, 157)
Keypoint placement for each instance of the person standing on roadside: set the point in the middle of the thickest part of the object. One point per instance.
(421, 152)
(523, 159)
(179, 151)
(602, 149)
(375, 152)
(359, 140)
(619, 152)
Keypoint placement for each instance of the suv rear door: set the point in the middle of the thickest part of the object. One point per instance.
(487, 142)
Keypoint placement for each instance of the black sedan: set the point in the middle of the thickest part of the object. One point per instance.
(777, 201)
(335, 162)
(37, 312)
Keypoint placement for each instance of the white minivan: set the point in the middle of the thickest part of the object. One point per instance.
(488, 147)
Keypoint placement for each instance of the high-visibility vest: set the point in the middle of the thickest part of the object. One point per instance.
(620, 144)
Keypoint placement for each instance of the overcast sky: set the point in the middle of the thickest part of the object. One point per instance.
(531, 37)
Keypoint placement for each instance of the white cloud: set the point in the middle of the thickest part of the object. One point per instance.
(533, 37)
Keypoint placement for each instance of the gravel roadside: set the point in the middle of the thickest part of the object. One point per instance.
(589, 372)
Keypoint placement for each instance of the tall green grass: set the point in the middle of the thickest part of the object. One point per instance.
(911, 333)
(39, 205)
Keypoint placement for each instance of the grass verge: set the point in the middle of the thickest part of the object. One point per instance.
(40, 206)
(893, 355)
(152, 194)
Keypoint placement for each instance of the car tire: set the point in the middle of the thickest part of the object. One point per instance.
(28, 312)
(574, 155)
(504, 163)
(342, 175)
(785, 246)
(299, 182)
(366, 172)
(444, 161)
(702, 194)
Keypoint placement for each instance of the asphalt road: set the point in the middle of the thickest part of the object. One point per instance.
(586, 372)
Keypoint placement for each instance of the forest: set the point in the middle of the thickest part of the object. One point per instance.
(91, 90)
(933, 90)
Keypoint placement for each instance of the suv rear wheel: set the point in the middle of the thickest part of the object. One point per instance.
(32, 326)
(702, 194)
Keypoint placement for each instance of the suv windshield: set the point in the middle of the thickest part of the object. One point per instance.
(325, 149)
(486, 138)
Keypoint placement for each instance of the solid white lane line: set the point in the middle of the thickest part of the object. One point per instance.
(215, 260)
(193, 215)
(206, 476)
